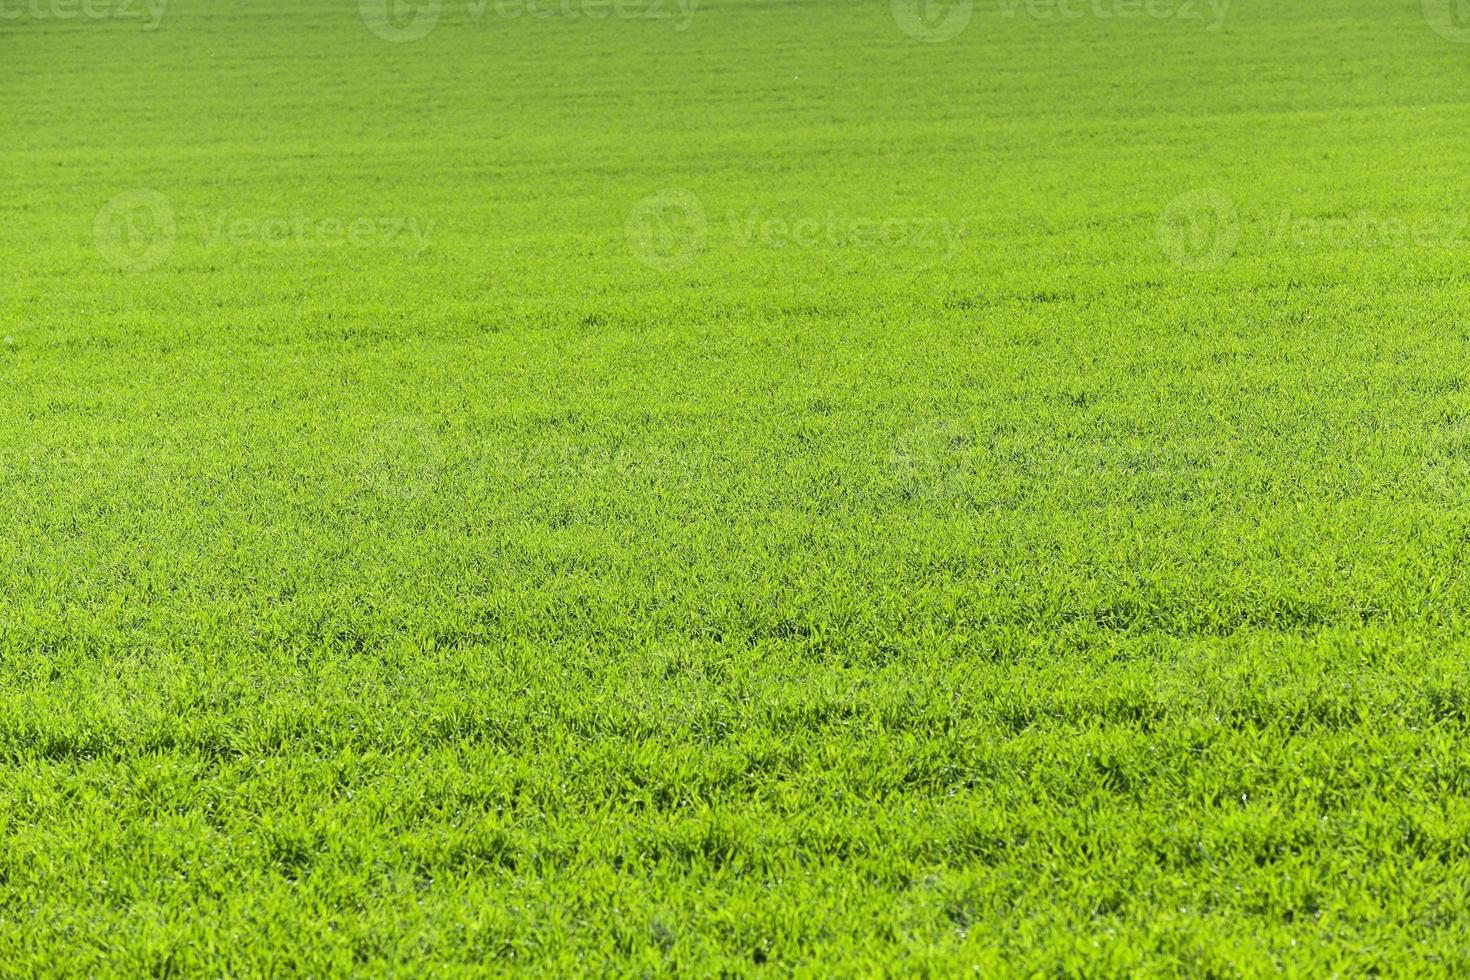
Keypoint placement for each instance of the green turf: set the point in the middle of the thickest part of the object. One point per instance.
(753, 487)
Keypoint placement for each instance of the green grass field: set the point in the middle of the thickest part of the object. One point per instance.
(750, 487)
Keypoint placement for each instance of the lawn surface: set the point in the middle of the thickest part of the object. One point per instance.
(766, 487)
